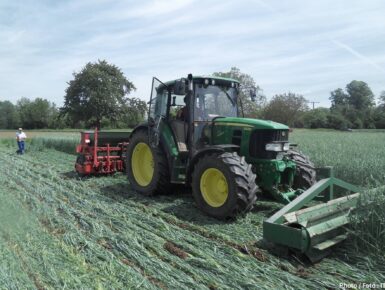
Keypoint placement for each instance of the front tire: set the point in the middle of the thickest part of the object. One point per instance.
(223, 185)
(146, 167)
(305, 175)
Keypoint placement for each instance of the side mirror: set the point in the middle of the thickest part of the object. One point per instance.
(253, 95)
(180, 87)
(151, 122)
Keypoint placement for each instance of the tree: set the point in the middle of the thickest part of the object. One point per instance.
(338, 98)
(9, 118)
(381, 99)
(98, 91)
(133, 114)
(36, 114)
(338, 121)
(251, 108)
(316, 118)
(286, 108)
(379, 112)
(379, 117)
(135, 111)
(355, 105)
(361, 96)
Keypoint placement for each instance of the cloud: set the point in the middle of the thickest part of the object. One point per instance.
(359, 55)
(299, 46)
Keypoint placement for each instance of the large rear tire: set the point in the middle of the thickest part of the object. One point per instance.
(146, 167)
(305, 175)
(223, 185)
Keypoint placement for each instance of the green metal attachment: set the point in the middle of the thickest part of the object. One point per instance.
(313, 230)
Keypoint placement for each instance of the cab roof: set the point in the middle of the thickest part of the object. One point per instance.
(205, 77)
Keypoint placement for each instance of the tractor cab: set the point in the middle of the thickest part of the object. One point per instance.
(190, 106)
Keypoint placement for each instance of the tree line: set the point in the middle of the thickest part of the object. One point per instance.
(40, 113)
(32, 114)
(98, 96)
(353, 107)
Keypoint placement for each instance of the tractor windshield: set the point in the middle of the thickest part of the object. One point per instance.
(213, 101)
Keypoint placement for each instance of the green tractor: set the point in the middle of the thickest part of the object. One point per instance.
(195, 135)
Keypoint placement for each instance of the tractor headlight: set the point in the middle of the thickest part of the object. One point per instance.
(273, 147)
(277, 147)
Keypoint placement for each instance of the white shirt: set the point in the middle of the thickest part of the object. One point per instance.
(21, 136)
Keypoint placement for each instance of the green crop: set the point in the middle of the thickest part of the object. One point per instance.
(40, 140)
(63, 144)
(358, 157)
(368, 223)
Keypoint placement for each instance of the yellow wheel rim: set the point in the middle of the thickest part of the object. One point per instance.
(142, 164)
(214, 187)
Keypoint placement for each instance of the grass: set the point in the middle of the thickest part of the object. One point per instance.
(63, 144)
(368, 223)
(59, 231)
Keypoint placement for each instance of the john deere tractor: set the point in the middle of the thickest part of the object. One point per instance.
(196, 135)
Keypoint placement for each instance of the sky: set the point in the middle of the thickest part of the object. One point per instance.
(305, 47)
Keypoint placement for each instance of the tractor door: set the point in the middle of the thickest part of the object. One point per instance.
(163, 117)
(178, 121)
(157, 110)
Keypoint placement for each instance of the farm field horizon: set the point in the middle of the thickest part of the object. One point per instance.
(60, 231)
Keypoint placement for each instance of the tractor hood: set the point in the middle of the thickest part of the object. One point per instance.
(249, 122)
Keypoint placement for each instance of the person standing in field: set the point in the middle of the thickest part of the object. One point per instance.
(20, 138)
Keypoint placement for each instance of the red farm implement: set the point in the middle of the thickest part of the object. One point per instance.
(101, 152)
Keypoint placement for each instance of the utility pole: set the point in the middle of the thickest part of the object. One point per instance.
(312, 102)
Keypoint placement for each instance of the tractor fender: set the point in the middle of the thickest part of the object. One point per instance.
(162, 141)
(212, 149)
(141, 126)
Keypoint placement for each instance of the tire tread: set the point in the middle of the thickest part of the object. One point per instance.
(246, 188)
(305, 172)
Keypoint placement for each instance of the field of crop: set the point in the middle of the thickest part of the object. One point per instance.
(59, 231)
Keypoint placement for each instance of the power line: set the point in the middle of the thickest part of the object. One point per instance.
(312, 102)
